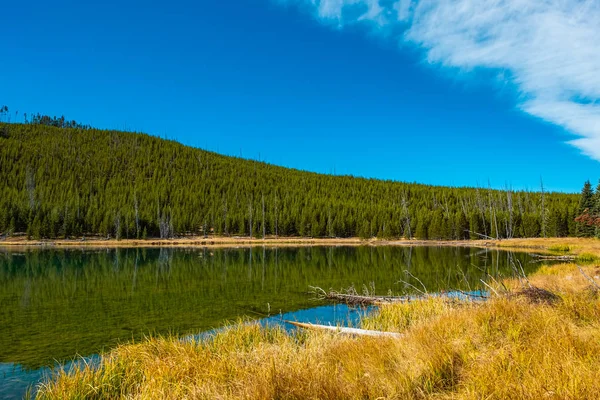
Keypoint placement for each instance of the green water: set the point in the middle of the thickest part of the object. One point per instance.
(56, 304)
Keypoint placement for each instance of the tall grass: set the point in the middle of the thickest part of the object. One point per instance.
(560, 248)
(571, 245)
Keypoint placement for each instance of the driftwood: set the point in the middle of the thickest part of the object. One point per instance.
(352, 298)
(344, 330)
(363, 300)
(366, 300)
(594, 284)
(483, 236)
(563, 258)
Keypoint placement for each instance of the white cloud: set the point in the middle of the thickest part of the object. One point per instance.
(548, 48)
(404, 9)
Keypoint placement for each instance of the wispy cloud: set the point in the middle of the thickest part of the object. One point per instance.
(549, 49)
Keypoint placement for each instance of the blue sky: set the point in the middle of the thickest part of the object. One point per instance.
(421, 91)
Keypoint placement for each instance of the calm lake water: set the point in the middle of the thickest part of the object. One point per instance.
(57, 304)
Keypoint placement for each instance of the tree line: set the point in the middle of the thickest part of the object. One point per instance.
(40, 119)
(69, 180)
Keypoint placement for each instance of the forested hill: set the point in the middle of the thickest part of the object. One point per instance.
(67, 182)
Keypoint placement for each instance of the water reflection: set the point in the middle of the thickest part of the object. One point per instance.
(55, 304)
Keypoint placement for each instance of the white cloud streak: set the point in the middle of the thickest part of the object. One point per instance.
(549, 49)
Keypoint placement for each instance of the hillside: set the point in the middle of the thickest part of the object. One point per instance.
(67, 182)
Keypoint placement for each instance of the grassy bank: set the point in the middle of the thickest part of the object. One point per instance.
(226, 241)
(548, 245)
(188, 241)
(519, 344)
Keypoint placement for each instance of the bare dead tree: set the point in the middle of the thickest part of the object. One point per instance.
(406, 214)
(276, 213)
(509, 206)
(492, 207)
(445, 207)
(205, 227)
(117, 223)
(264, 229)
(137, 215)
(520, 206)
(481, 208)
(65, 220)
(163, 226)
(165, 223)
(225, 215)
(250, 217)
(446, 212)
(329, 225)
(30, 185)
(543, 211)
(463, 206)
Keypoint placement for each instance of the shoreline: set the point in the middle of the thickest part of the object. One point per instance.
(543, 245)
(221, 241)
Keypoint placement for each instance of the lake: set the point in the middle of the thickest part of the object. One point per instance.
(57, 304)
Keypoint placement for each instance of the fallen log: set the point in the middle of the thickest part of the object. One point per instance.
(586, 276)
(344, 330)
(362, 300)
(563, 258)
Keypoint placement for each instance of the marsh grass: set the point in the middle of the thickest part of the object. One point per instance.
(508, 347)
(575, 245)
(560, 248)
(586, 258)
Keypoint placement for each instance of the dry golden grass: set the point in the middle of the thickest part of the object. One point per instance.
(506, 348)
(556, 245)
(22, 241)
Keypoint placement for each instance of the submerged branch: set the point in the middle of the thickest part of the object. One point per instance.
(356, 299)
(362, 300)
(563, 258)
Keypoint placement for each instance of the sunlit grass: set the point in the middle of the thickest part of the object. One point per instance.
(508, 347)
(574, 245)
(564, 248)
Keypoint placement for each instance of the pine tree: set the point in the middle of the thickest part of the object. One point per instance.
(421, 230)
(586, 205)
(554, 221)
(595, 210)
(531, 226)
(364, 230)
(475, 226)
(461, 226)
(436, 228)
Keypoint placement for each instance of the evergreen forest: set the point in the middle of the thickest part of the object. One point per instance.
(61, 179)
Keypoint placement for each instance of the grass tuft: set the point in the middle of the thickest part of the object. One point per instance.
(586, 258)
(560, 248)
